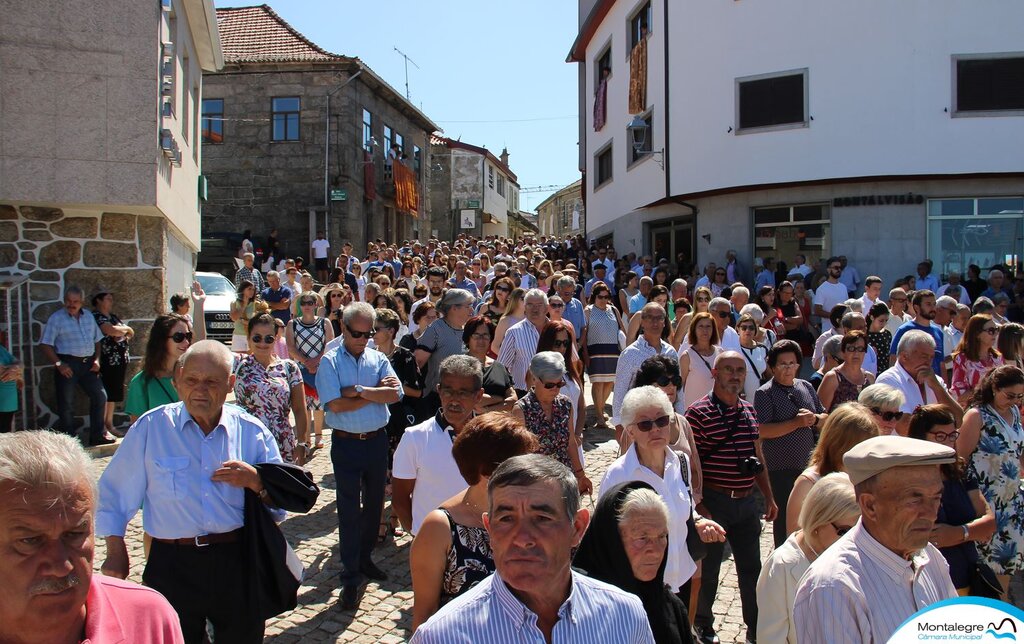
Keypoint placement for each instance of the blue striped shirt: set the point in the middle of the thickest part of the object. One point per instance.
(340, 369)
(167, 461)
(489, 612)
(76, 336)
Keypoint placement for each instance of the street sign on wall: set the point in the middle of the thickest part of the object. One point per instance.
(339, 195)
(472, 203)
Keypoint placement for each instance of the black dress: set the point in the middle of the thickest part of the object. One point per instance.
(404, 413)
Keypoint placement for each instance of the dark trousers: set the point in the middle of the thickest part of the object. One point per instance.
(782, 485)
(360, 472)
(91, 384)
(741, 519)
(207, 583)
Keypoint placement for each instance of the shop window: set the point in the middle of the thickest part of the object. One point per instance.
(772, 100)
(989, 84)
(982, 231)
(781, 232)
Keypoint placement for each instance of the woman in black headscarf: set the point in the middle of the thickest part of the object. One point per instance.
(626, 546)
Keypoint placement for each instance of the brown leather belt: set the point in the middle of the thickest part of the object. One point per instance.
(204, 540)
(337, 433)
(732, 494)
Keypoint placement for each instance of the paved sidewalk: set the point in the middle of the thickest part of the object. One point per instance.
(386, 610)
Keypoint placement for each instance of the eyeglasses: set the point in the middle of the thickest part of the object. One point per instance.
(747, 327)
(554, 385)
(887, 416)
(309, 302)
(360, 334)
(503, 289)
(556, 305)
(665, 381)
(560, 343)
(722, 314)
(1012, 396)
(480, 336)
(647, 425)
(337, 294)
(264, 339)
(991, 330)
(703, 299)
(181, 337)
(379, 329)
(841, 529)
(786, 365)
(942, 437)
(602, 297)
(856, 349)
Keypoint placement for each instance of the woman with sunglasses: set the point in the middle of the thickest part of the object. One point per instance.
(560, 337)
(755, 354)
(307, 336)
(698, 358)
(849, 425)
(152, 386)
(515, 311)
(357, 272)
(600, 341)
(241, 311)
(547, 413)
(499, 395)
(646, 415)
(884, 403)
(965, 518)
(332, 301)
(270, 388)
(495, 306)
(992, 441)
(701, 301)
(975, 356)
(845, 382)
(830, 511)
(719, 282)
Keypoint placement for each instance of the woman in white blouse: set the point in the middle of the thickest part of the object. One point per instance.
(646, 416)
(828, 512)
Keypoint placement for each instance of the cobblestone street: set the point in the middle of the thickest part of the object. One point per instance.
(385, 612)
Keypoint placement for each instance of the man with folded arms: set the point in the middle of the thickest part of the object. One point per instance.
(187, 465)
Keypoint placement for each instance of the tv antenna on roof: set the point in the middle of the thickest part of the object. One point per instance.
(407, 61)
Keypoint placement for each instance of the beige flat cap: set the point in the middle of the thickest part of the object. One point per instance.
(881, 453)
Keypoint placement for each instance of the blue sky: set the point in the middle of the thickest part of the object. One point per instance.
(478, 61)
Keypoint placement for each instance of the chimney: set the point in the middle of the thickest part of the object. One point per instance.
(504, 157)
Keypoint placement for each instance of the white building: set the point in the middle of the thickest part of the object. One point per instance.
(884, 131)
(471, 190)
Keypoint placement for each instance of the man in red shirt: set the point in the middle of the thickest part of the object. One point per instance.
(49, 593)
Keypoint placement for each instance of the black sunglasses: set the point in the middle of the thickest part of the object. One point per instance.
(665, 381)
(361, 334)
(264, 339)
(841, 529)
(723, 314)
(553, 385)
(181, 337)
(556, 305)
(503, 289)
(887, 416)
(648, 425)
(560, 343)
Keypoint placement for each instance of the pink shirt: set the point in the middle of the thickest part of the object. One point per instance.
(121, 611)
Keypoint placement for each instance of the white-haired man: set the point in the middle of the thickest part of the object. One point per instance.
(520, 342)
(49, 592)
(187, 465)
(250, 273)
(913, 375)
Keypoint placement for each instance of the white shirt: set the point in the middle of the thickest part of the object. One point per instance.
(868, 303)
(896, 321)
(803, 269)
(320, 247)
(964, 297)
(673, 491)
(898, 377)
(425, 455)
(950, 341)
(828, 295)
(859, 591)
(517, 350)
(629, 363)
(730, 340)
(776, 590)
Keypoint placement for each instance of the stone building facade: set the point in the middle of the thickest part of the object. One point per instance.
(99, 166)
(563, 213)
(265, 119)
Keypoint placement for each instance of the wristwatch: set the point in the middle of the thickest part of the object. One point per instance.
(967, 533)
(58, 364)
(359, 389)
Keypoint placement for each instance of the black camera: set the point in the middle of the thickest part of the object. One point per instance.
(751, 466)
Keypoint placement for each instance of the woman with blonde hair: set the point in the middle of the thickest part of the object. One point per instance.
(515, 309)
(848, 425)
(701, 301)
(829, 511)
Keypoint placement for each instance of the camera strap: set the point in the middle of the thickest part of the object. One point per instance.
(719, 444)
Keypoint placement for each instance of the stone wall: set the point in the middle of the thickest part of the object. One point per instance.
(58, 248)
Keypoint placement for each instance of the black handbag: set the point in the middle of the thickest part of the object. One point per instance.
(697, 548)
(984, 582)
(275, 572)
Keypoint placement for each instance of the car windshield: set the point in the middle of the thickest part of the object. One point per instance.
(216, 285)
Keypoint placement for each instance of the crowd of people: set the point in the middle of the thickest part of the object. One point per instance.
(878, 434)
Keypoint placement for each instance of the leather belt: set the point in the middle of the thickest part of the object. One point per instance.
(732, 494)
(204, 540)
(337, 433)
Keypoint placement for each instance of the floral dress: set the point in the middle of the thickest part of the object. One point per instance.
(968, 373)
(469, 560)
(266, 393)
(995, 463)
(553, 434)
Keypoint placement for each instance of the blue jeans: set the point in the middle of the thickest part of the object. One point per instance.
(91, 384)
(360, 471)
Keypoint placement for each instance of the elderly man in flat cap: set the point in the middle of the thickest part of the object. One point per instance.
(883, 570)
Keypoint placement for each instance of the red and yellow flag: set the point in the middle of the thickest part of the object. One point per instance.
(406, 192)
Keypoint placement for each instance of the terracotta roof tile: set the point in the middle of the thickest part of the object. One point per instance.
(259, 35)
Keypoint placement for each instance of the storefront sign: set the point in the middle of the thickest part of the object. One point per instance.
(908, 199)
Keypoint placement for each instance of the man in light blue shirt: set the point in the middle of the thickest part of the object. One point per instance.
(187, 464)
(639, 300)
(356, 385)
(573, 311)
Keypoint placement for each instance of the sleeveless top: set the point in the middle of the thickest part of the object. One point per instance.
(846, 391)
(469, 559)
(553, 434)
(699, 380)
(309, 338)
(603, 328)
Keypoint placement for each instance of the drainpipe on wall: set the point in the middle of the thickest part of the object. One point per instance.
(327, 154)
